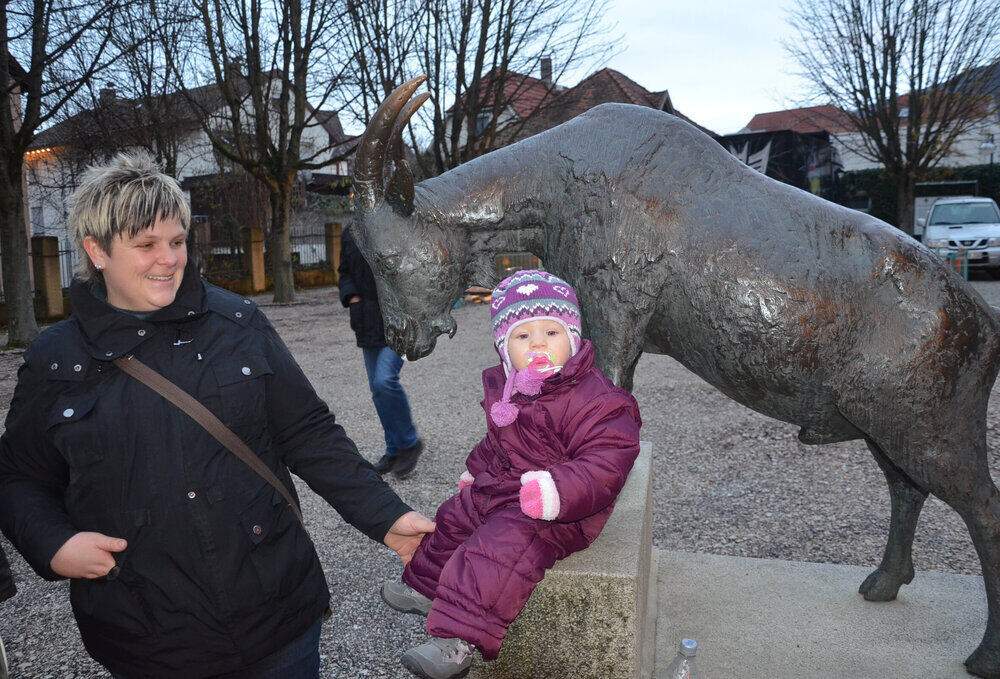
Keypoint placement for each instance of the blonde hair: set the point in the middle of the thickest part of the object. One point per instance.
(122, 198)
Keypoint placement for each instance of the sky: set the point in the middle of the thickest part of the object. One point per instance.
(721, 60)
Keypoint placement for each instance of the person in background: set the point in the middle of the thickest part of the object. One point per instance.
(357, 292)
(183, 560)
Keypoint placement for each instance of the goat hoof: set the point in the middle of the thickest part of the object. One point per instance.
(984, 662)
(880, 585)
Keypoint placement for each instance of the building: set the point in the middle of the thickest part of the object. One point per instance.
(530, 105)
(170, 127)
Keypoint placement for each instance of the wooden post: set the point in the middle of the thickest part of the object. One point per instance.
(253, 251)
(332, 232)
(48, 278)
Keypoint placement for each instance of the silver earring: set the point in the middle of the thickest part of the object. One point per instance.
(98, 267)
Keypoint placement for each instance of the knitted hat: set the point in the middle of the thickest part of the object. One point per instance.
(529, 296)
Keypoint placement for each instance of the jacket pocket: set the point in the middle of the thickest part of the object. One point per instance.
(112, 607)
(280, 550)
(71, 425)
(356, 315)
(242, 391)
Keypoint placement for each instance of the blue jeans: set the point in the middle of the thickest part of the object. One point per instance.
(298, 659)
(393, 408)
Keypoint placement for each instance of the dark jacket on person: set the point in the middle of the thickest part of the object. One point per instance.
(356, 278)
(218, 571)
(7, 588)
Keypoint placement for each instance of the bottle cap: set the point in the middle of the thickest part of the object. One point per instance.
(688, 647)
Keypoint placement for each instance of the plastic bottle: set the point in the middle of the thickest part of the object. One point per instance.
(683, 666)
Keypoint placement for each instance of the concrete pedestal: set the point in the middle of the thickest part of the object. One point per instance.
(589, 618)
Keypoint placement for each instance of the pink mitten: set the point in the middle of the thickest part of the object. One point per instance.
(538, 497)
(465, 479)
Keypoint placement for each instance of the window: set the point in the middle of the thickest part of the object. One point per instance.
(964, 213)
(482, 123)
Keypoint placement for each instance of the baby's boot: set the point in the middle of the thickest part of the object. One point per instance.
(439, 658)
(405, 599)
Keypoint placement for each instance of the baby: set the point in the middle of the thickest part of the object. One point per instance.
(560, 441)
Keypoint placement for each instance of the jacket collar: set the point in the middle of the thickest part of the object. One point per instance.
(109, 333)
(578, 365)
(575, 367)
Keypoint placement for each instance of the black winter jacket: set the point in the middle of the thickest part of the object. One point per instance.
(218, 572)
(356, 278)
(7, 588)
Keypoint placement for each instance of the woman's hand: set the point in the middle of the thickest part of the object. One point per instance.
(354, 299)
(87, 555)
(405, 535)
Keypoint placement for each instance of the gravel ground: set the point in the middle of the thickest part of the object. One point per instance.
(727, 481)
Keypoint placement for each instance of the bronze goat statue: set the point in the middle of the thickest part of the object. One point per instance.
(798, 308)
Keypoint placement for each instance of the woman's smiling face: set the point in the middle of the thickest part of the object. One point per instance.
(143, 272)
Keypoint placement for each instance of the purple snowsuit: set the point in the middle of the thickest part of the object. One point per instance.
(486, 556)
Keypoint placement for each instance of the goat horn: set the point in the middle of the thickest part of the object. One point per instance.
(396, 138)
(370, 157)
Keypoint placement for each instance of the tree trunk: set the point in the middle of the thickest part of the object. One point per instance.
(281, 244)
(18, 291)
(906, 188)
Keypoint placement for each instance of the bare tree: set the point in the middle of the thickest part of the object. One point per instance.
(275, 65)
(61, 46)
(906, 74)
(131, 106)
(478, 56)
(152, 35)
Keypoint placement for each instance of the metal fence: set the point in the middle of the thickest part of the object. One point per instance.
(309, 251)
(219, 259)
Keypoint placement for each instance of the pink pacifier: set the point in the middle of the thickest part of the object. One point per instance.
(540, 361)
(529, 381)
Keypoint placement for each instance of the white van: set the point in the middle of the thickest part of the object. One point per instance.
(970, 224)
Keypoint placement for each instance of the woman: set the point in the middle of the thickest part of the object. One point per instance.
(183, 560)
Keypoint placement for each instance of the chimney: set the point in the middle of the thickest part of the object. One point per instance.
(547, 70)
(233, 71)
(107, 94)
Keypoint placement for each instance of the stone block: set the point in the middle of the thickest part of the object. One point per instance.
(591, 617)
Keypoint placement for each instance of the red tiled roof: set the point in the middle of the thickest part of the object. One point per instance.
(603, 87)
(829, 118)
(523, 93)
(811, 119)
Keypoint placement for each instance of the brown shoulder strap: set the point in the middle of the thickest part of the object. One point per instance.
(203, 416)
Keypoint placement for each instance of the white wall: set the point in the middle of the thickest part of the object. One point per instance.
(965, 151)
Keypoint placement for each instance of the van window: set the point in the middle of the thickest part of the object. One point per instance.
(964, 213)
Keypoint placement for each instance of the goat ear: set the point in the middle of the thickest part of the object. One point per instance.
(399, 192)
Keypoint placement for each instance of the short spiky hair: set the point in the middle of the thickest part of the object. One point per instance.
(124, 197)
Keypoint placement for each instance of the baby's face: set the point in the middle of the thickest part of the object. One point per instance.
(541, 344)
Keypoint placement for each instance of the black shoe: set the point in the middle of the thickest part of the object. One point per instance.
(406, 460)
(385, 464)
